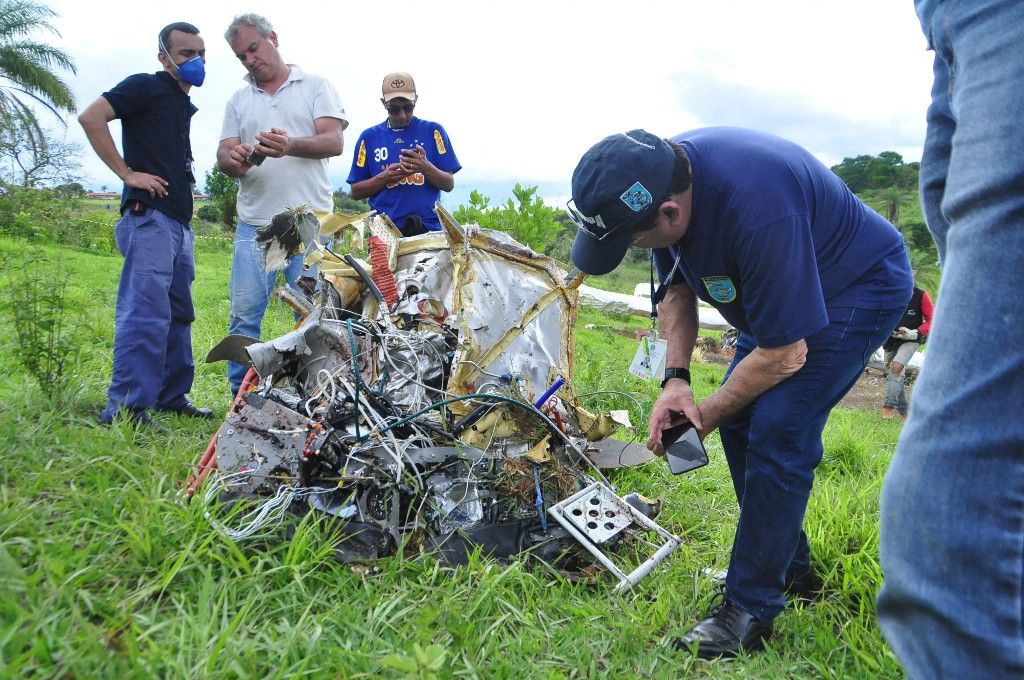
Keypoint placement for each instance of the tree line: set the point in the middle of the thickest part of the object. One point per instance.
(34, 157)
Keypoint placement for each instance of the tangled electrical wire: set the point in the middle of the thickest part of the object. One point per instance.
(393, 426)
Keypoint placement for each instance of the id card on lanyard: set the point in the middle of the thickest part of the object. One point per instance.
(649, 360)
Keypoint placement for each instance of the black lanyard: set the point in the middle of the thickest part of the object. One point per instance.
(658, 295)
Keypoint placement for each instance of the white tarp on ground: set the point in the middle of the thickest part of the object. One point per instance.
(620, 303)
(640, 303)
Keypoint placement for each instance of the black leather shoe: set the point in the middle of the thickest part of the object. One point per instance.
(190, 410)
(805, 586)
(728, 631)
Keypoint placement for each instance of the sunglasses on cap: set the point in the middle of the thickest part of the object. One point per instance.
(595, 226)
(592, 226)
(395, 109)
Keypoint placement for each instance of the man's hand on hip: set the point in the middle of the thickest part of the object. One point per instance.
(156, 186)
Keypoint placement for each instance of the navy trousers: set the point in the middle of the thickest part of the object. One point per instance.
(773, 447)
(153, 321)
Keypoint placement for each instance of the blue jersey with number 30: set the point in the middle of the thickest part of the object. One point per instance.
(380, 146)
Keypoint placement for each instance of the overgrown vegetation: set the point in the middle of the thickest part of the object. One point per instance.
(525, 217)
(103, 572)
(35, 298)
(52, 216)
(223, 193)
(889, 185)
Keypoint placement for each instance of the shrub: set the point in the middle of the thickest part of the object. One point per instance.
(48, 215)
(208, 212)
(526, 218)
(36, 302)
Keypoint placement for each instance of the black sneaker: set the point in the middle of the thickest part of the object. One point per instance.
(805, 586)
(190, 410)
(728, 631)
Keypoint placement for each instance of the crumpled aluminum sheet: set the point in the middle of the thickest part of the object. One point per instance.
(264, 439)
(515, 316)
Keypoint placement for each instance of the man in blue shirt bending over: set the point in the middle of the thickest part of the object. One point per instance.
(403, 164)
(812, 278)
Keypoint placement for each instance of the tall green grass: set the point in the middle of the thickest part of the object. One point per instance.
(105, 573)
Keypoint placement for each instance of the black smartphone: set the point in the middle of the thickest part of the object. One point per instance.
(684, 450)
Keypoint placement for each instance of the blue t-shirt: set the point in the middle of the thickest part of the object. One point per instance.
(155, 121)
(380, 146)
(775, 238)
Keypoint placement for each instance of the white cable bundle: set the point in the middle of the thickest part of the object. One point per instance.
(263, 517)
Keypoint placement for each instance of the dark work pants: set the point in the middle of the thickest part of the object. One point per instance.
(773, 447)
(153, 321)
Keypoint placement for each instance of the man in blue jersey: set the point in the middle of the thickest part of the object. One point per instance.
(403, 164)
(153, 366)
(812, 278)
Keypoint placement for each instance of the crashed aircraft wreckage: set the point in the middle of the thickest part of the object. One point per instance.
(426, 401)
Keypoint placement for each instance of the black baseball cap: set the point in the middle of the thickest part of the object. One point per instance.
(617, 185)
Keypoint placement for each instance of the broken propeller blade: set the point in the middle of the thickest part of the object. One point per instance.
(232, 348)
(611, 454)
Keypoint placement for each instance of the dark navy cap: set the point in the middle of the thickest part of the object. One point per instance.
(617, 185)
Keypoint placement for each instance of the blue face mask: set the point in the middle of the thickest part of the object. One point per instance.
(193, 71)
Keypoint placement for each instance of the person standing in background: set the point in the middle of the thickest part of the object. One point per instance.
(403, 164)
(279, 131)
(153, 366)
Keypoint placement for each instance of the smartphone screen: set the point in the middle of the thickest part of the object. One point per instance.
(684, 450)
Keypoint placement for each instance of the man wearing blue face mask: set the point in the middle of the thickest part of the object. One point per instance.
(153, 367)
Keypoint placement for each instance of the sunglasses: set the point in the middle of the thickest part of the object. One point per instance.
(592, 226)
(395, 109)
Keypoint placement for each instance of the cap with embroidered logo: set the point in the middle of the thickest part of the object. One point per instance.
(398, 85)
(617, 185)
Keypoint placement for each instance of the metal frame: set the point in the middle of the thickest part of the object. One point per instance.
(573, 514)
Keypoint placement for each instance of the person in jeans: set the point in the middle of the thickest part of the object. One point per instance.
(952, 535)
(911, 333)
(295, 121)
(813, 279)
(153, 365)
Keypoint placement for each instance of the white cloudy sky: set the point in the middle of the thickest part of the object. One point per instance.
(525, 88)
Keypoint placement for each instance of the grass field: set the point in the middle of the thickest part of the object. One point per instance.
(105, 573)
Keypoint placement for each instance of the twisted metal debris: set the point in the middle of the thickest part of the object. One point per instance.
(441, 416)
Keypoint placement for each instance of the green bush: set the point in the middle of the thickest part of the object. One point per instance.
(51, 216)
(208, 212)
(526, 219)
(36, 302)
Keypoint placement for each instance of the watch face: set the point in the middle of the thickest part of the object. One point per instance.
(677, 373)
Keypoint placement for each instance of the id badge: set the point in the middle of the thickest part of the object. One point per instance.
(649, 360)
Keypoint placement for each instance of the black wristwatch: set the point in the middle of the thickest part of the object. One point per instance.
(670, 373)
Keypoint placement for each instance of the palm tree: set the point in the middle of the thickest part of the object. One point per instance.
(26, 74)
(894, 198)
(928, 274)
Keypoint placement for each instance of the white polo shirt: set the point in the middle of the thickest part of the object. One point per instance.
(287, 182)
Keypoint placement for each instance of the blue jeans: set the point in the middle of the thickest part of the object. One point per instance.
(952, 542)
(153, 318)
(251, 286)
(774, 445)
(895, 383)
